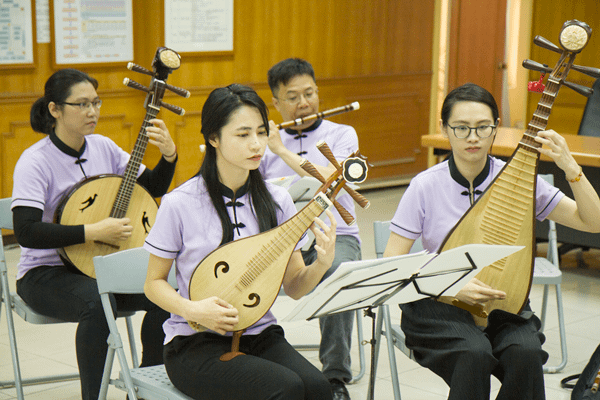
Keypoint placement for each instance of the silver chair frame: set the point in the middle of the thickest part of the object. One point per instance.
(14, 303)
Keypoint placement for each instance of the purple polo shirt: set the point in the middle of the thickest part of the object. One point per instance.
(187, 229)
(341, 139)
(45, 172)
(438, 197)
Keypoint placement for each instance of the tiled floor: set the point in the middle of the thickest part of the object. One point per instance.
(50, 349)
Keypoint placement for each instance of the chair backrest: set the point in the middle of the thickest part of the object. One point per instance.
(6, 221)
(552, 236)
(590, 121)
(124, 271)
(381, 232)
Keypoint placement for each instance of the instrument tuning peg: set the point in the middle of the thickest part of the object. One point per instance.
(308, 167)
(133, 84)
(177, 90)
(138, 68)
(593, 72)
(536, 66)
(175, 109)
(584, 90)
(546, 44)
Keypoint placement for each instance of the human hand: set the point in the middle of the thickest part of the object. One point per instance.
(109, 230)
(556, 148)
(477, 292)
(325, 236)
(275, 144)
(213, 313)
(159, 135)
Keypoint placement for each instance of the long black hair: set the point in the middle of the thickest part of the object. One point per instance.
(468, 92)
(216, 113)
(57, 89)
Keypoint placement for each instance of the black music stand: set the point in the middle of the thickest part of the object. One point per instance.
(401, 279)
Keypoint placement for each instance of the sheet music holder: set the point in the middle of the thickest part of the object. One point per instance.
(399, 279)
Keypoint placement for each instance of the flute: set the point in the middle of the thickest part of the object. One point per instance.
(320, 115)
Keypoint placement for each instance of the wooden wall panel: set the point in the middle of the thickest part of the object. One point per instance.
(376, 52)
(547, 22)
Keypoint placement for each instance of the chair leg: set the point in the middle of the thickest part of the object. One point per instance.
(361, 348)
(130, 334)
(12, 337)
(391, 353)
(544, 305)
(563, 336)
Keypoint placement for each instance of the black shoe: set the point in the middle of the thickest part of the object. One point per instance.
(338, 388)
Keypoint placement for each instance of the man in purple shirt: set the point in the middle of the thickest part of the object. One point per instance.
(295, 95)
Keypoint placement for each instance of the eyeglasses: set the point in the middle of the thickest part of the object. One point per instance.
(83, 106)
(463, 131)
(294, 99)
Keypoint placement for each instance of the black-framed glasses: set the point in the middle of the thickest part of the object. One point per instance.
(86, 104)
(463, 131)
(294, 99)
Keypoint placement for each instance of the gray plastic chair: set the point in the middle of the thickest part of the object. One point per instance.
(14, 303)
(546, 272)
(112, 277)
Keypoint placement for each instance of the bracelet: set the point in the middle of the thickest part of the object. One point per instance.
(175, 152)
(578, 177)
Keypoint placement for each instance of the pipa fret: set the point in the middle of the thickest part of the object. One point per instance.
(292, 230)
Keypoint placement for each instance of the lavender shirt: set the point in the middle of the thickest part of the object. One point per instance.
(341, 139)
(45, 173)
(187, 229)
(438, 197)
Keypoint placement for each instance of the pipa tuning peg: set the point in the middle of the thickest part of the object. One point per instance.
(546, 44)
(593, 72)
(584, 90)
(536, 66)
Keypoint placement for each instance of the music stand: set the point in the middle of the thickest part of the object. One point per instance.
(400, 279)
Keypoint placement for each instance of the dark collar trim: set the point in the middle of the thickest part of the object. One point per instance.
(461, 180)
(309, 129)
(225, 191)
(66, 149)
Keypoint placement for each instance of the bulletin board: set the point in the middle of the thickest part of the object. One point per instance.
(87, 32)
(17, 37)
(199, 26)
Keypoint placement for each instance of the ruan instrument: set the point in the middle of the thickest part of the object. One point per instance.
(102, 196)
(320, 115)
(505, 212)
(248, 273)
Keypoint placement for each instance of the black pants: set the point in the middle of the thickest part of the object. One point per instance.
(446, 340)
(270, 369)
(59, 293)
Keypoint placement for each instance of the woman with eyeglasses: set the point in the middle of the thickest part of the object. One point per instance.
(445, 338)
(67, 114)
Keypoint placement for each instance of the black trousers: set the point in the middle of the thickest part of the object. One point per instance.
(446, 340)
(57, 292)
(270, 369)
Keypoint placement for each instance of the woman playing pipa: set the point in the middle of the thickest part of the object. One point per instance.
(227, 201)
